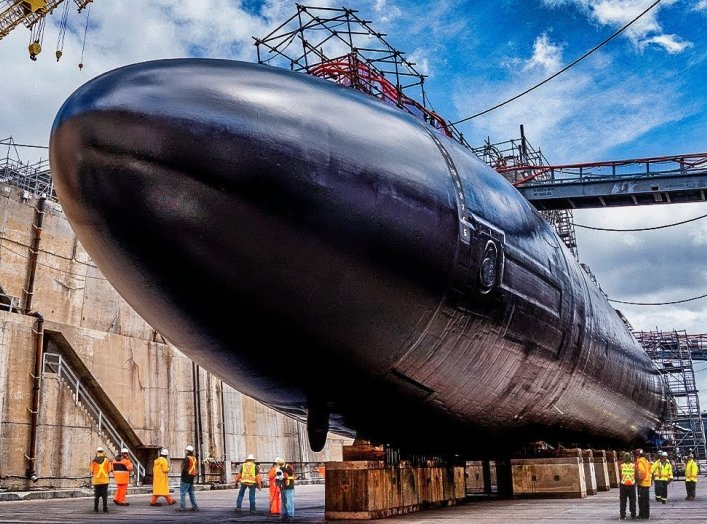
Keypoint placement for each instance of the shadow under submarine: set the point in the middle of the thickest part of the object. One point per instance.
(342, 262)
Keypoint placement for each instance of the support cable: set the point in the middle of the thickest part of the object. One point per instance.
(585, 55)
(657, 303)
(641, 228)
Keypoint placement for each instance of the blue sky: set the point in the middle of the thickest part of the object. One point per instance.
(641, 95)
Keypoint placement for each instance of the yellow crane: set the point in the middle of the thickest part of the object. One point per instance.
(31, 13)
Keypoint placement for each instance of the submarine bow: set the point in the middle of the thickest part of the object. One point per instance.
(343, 234)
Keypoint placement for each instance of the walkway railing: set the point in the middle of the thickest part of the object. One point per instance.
(55, 363)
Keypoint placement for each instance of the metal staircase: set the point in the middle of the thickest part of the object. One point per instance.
(56, 364)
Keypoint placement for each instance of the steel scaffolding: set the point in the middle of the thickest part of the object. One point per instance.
(515, 157)
(683, 431)
(34, 179)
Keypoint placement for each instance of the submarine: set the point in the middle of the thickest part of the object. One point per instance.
(343, 262)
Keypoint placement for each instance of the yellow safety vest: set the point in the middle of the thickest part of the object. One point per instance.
(691, 471)
(662, 471)
(248, 473)
(628, 474)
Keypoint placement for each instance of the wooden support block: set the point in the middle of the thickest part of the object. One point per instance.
(589, 472)
(368, 489)
(601, 470)
(559, 477)
(612, 465)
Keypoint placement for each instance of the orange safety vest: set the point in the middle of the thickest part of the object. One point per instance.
(100, 470)
(248, 475)
(191, 466)
(628, 474)
(121, 470)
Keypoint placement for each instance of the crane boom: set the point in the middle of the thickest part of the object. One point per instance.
(29, 12)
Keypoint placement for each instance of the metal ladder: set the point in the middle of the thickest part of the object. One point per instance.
(55, 363)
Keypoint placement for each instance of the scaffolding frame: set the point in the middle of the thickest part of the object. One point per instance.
(683, 431)
(34, 179)
(337, 45)
(517, 159)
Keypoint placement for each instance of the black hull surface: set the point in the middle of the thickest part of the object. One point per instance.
(343, 233)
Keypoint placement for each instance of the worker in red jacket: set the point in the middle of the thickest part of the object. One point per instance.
(122, 468)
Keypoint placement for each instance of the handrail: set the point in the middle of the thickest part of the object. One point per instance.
(55, 363)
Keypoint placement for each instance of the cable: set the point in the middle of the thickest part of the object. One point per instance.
(585, 55)
(641, 228)
(657, 303)
(58, 269)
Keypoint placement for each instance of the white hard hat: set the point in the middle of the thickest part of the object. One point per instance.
(99, 449)
(280, 461)
(164, 451)
(189, 448)
(250, 457)
(664, 454)
(124, 450)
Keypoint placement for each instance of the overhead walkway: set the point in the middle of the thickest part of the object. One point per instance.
(646, 181)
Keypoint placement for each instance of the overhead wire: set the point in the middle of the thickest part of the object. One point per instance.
(657, 303)
(640, 228)
(558, 73)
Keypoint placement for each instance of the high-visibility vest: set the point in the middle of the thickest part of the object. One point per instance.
(248, 473)
(643, 472)
(691, 471)
(628, 474)
(662, 471)
(191, 466)
(100, 470)
(122, 469)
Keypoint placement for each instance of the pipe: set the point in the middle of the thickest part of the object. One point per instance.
(197, 422)
(34, 411)
(28, 291)
(226, 474)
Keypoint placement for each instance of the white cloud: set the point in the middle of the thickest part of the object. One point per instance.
(701, 5)
(617, 13)
(671, 43)
(546, 55)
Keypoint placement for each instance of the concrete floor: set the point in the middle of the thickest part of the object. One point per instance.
(218, 506)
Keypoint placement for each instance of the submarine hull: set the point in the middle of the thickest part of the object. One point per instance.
(343, 234)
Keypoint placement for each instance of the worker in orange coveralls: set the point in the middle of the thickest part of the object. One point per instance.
(122, 467)
(160, 481)
(275, 497)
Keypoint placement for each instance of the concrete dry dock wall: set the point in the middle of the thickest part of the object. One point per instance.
(164, 398)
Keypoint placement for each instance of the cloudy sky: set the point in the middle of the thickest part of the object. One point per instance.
(643, 94)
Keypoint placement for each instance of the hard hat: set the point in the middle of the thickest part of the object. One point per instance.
(189, 448)
(250, 457)
(627, 456)
(638, 451)
(99, 449)
(664, 454)
(164, 452)
(124, 450)
(280, 461)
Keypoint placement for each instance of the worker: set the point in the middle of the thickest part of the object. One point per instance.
(274, 487)
(691, 472)
(100, 478)
(249, 477)
(122, 467)
(160, 480)
(644, 478)
(287, 490)
(186, 484)
(663, 475)
(627, 488)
